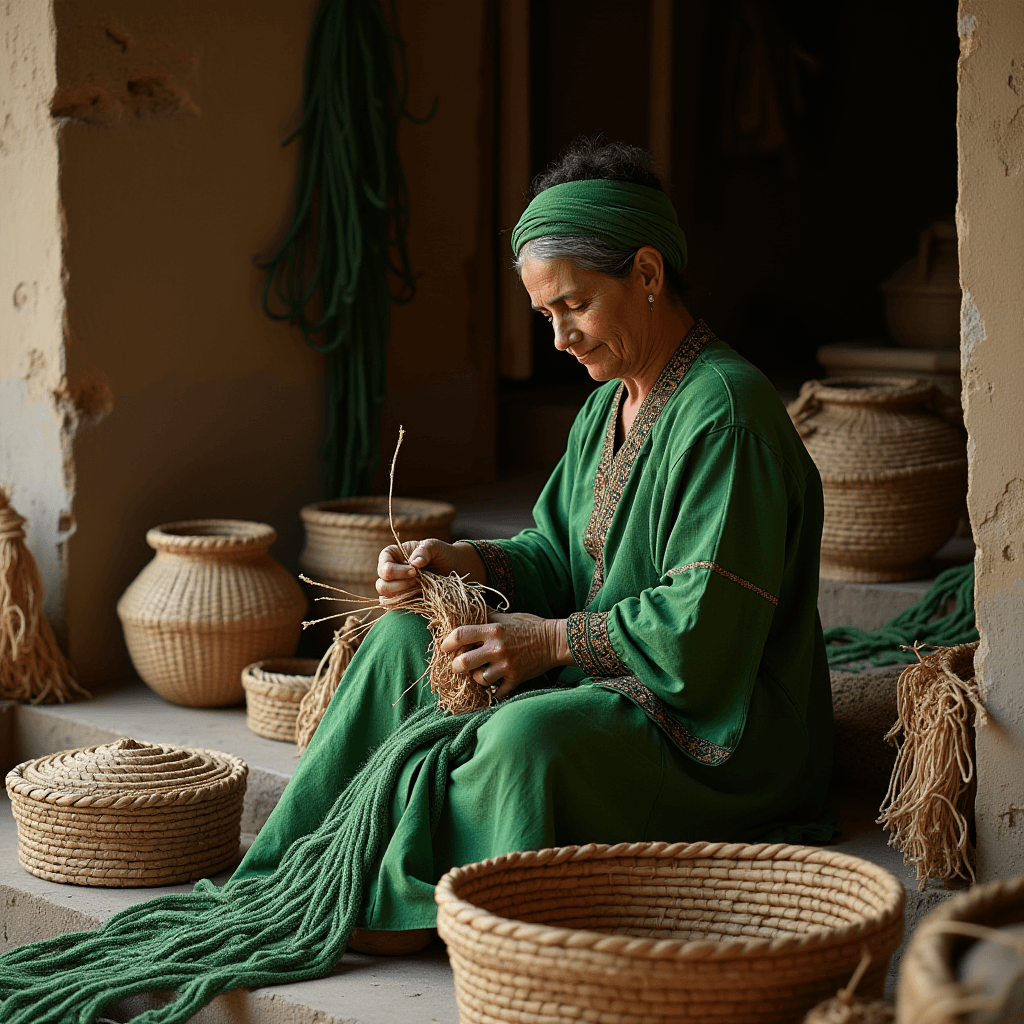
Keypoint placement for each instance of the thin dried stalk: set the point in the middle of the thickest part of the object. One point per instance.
(328, 674)
(928, 805)
(446, 602)
(32, 666)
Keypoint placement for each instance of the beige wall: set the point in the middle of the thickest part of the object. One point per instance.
(180, 398)
(990, 125)
(36, 421)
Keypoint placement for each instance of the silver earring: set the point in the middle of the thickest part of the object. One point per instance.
(650, 298)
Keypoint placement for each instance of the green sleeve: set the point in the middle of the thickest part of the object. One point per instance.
(532, 568)
(719, 545)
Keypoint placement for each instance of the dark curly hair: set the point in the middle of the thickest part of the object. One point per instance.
(587, 159)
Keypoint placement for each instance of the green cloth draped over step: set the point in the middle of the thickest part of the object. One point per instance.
(921, 622)
(617, 212)
(291, 925)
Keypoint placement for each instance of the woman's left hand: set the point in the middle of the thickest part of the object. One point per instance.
(509, 649)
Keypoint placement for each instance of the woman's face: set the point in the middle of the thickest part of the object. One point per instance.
(603, 321)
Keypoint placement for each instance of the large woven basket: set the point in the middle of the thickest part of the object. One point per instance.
(127, 813)
(274, 689)
(210, 602)
(893, 472)
(345, 537)
(651, 932)
(928, 991)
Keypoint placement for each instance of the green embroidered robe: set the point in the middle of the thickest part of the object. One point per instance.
(687, 565)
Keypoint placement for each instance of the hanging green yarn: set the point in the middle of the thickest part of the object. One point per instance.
(290, 926)
(347, 239)
(921, 622)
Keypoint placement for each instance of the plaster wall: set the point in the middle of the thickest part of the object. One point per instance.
(36, 417)
(990, 216)
(173, 179)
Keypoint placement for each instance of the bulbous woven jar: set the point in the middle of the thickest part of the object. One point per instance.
(894, 474)
(210, 602)
(644, 932)
(344, 537)
(127, 813)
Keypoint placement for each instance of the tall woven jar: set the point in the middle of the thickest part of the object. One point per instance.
(894, 474)
(210, 602)
(344, 537)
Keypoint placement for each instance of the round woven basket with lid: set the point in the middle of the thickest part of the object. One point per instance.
(274, 689)
(344, 537)
(893, 472)
(651, 932)
(127, 813)
(210, 602)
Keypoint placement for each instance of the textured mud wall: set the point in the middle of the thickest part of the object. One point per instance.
(172, 179)
(990, 126)
(36, 418)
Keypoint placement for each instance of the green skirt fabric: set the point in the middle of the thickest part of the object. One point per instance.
(581, 765)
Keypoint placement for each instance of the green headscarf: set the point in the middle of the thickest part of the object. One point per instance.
(618, 212)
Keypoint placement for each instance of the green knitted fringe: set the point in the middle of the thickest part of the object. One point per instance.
(921, 622)
(290, 926)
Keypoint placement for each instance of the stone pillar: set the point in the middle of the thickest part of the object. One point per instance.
(990, 217)
(36, 420)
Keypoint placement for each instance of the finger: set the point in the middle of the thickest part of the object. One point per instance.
(475, 658)
(507, 686)
(464, 636)
(388, 589)
(424, 552)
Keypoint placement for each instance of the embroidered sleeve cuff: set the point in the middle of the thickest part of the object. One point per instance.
(591, 647)
(500, 574)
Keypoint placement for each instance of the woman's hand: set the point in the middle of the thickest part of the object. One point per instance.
(509, 649)
(397, 578)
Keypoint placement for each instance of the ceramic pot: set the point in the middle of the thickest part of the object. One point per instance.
(893, 471)
(922, 298)
(344, 537)
(210, 602)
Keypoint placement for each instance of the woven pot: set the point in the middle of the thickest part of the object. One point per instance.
(894, 474)
(345, 537)
(128, 814)
(274, 689)
(651, 932)
(211, 602)
(928, 989)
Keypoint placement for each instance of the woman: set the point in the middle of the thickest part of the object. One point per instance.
(669, 589)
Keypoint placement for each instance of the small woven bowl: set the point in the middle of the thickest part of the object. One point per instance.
(274, 689)
(128, 814)
(651, 932)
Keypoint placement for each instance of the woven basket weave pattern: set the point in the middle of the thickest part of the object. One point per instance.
(211, 602)
(274, 689)
(894, 475)
(128, 813)
(345, 537)
(646, 932)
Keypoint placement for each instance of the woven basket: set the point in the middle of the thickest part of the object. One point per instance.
(211, 602)
(274, 689)
(345, 537)
(128, 814)
(894, 474)
(651, 932)
(928, 991)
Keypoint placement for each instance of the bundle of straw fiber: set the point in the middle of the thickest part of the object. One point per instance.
(328, 674)
(446, 602)
(32, 666)
(928, 805)
(845, 1008)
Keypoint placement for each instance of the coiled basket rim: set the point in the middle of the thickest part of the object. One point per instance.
(202, 536)
(482, 920)
(371, 511)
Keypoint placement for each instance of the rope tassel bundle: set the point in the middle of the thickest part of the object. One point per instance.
(927, 807)
(32, 667)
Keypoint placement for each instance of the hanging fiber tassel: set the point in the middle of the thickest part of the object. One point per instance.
(328, 674)
(32, 667)
(927, 807)
(260, 930)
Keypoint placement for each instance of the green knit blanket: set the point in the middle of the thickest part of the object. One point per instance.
(924, 622)
(292, 925)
